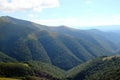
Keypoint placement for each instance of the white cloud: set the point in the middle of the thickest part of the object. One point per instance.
(88, 2)
(56, 22)
(79, 22)
(116, 18)
(31, 16)
(34, 5)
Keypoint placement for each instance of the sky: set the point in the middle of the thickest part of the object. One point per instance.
(72, 13)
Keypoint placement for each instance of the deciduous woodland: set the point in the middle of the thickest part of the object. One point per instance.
(30, 51)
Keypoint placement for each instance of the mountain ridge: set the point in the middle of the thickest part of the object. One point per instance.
(63, 47)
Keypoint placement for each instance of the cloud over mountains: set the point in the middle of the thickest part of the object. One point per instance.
(22, 5)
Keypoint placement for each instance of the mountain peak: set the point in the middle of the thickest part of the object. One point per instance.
(5, 17)
(63, 27)
(13, 20)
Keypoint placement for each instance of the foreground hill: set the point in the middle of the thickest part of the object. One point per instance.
(8, 79)
(30, 71)
(104, 68)
(60, 46)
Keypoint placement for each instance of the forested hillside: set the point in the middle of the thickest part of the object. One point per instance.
(103, 68)
(60, 46)
(29, 51)
(31, 71)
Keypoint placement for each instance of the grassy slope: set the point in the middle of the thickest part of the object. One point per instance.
(6, 58)
(47, 68)
(104, 68)
(8, 79)
(31, 71)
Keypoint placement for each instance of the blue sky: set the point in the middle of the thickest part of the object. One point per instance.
(73, 13)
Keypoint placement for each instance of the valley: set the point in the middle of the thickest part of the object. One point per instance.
(40, 52)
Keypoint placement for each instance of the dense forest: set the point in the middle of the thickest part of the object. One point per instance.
(30, 51)
(103, 68)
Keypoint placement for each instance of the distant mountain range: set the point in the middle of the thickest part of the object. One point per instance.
(60, 46)
(104, 27)
(30, 51)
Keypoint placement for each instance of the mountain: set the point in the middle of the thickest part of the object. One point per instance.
(21, 22)
(61, 46)
(30, 71)
(6, 58)
(104, 27)
(114, 37)
(103, 68)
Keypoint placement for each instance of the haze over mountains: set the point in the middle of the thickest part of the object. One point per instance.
(63, 47)
(103, 27)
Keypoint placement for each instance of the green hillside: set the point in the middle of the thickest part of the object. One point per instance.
(31, 71)
(59, 54)
(8, 79)
(41, 68)
(62, 46)
(6, 58)
(104, 68)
